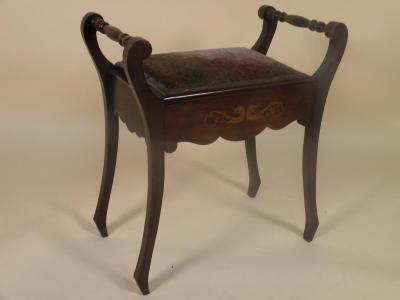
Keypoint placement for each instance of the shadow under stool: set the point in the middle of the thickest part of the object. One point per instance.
(199, 96)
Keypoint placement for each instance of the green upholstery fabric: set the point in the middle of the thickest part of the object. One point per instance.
(179, 73)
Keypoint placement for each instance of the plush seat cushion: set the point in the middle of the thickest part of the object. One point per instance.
(182, 73)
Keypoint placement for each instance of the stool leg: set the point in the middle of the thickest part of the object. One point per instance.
(310, 150)
(110, 157)
(154, 201)
(254, 176)
(338, 34)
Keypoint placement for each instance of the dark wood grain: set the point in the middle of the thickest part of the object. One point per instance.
(237, 113)
(254, 175)
(103, 67)
(300, 21)
(156, 154)
(337, 33)
(127, 108)
(262, 45)
(112, 32)
(152, 114)
(268, 30)
(269, 14)
(186, 121)
(324, 75)
(150, 124)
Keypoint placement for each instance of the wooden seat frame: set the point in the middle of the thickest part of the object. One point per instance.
(234, 114)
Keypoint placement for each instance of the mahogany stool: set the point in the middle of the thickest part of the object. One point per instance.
(198, 96)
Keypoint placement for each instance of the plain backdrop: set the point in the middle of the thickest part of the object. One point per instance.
(214, 242)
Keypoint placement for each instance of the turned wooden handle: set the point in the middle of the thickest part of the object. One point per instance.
(112, 32)
(270, 13)
(300, 21)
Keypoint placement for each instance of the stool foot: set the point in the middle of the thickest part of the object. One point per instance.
(309, 231)
(110, 158)
(310, 150)
(154, 202)
(254, 176)
(102, 227)
(142, 284)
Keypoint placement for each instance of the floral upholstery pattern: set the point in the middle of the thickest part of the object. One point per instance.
(178, 73)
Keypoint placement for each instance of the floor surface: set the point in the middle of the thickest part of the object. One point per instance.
(214, 242)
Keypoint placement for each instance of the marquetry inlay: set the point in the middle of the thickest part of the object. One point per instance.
(241, 113)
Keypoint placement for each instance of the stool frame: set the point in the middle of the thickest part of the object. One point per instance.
(128, 97)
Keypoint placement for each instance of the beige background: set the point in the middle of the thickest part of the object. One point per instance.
(214, 242)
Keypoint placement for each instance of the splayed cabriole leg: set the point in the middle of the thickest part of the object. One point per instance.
(262, 45)
(104, 67)
(110, 157)
(337, 32)
(254, 176)
(154, 202)
(310, 151)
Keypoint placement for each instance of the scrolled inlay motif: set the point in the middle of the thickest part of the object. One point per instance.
(241, 113)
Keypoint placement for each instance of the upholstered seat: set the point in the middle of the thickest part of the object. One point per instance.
(180, 73)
